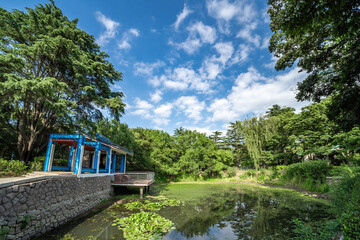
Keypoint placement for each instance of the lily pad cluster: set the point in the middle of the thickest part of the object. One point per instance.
(143, 225)
(149, 205)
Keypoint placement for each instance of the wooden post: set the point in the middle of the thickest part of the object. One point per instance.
(141, 192)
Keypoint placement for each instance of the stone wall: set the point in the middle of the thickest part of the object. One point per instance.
(33, 208)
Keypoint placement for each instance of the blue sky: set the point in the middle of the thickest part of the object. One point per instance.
(192, 64)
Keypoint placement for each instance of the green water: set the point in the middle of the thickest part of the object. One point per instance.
(214, 211)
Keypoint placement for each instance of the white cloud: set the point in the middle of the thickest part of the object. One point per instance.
(181, 78)
(199, 34)
(222, 110)
(190, 46)
(134, 32)
(247, 34)
(206, 33)
(181, 17)
(164, 110)
(160, 122)
(254, 93)
(225, 49)
(175, 85)
(158, 115)
(210, 69)
(156, 96)
(224, 11)
(143, 108)
(147, 69)
(127, 37)
(214, 65)
(272, 63)
(191, 107)
(242, 53)
(110, 26)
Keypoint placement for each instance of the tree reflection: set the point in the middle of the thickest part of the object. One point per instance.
(260, 214)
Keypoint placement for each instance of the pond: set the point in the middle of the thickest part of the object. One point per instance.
(213, 211)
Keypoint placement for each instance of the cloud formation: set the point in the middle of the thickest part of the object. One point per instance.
(110, 28)
(224, 11)
(181, 17)
(255, 93)
(198, 35)
(127, 37)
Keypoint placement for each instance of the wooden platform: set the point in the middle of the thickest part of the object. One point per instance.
(133, 182)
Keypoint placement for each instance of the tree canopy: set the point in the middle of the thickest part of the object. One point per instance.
(323, 38)
(53, 76)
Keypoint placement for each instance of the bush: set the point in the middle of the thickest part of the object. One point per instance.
(309, 175)
(316, 170)
(346, 197)
(12, 167)
(343, 170)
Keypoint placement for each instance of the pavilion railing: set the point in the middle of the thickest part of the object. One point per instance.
(131, 176)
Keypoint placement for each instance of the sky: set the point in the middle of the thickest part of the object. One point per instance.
(193, 64)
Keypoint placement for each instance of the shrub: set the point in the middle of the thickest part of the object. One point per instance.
(12, 167)
(346, 197)
(316, 170)
(309, 175)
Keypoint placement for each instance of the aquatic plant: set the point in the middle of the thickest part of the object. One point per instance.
(143, 225)
(154, 206)
(134, 205)
(172, 202)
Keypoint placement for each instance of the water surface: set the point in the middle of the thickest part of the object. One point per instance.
(215, 211)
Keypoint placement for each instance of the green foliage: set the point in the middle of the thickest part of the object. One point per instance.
(12, 168)
(46, 59)
(346, 197)
(151, 205)
(172, 202)
(325, 231)
(118, 132)
(143, 225)
(309, 175)
(25, 221)
(133, 205)
(322, 38)
(154, 206)
(348, 145)
(315, 170)
(4, 231)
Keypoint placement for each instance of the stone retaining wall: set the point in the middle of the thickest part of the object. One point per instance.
(31, 209)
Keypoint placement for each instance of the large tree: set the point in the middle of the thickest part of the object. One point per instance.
(323, 38)
(52, 74)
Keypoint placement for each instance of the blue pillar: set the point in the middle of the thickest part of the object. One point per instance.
(108, 159)
(122, 164)
(70, 157)
(96, 158)
(114, 157)
(48, 153)
(78, 159)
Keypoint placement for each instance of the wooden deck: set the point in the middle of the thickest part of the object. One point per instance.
(133, 182)
(138, 179)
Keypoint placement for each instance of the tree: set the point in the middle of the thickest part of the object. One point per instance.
(119, 133)
(216, 136)
(258, 131)
(235, 138)
(52, 75)
(313, 130)
(323, 37)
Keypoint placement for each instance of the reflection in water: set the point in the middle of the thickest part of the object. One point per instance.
(217, 211)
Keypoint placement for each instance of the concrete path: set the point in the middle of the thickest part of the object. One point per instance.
(32, 177)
